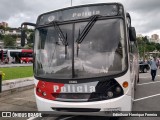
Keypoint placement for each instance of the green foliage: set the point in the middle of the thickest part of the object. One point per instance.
(15, 36)
(145, 46)
(158, 46)
(2, 27)
(17, 72)
(150, 48)
(9, 41)
(30, 45)
(27, 46)
(1, 37)
(31, 38)
(29, 30)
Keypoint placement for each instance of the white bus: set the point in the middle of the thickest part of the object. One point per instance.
(85, 59)
(13, 55)
(19, 55)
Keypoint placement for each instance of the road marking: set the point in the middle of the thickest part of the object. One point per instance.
(145, 77)
(146, 97)
(65, 118)
(148, 76)
(32, 118)
(20, 98)
(148, 83)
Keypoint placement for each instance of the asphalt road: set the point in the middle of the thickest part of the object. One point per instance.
(147, 99)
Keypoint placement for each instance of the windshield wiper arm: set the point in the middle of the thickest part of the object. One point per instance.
(63, 38)
(87, 29)
(58, 29)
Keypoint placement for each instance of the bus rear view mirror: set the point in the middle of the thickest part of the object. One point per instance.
(132, 33)
(23, 32)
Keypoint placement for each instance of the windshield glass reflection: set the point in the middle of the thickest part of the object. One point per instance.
(101, 53)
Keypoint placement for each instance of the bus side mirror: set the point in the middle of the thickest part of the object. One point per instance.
(132, 34)
(23, 32)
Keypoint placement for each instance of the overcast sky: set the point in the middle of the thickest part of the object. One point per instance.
(145, 13)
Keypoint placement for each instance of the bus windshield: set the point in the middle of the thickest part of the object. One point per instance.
(100, 53)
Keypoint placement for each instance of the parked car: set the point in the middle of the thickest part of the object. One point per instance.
(143, 67)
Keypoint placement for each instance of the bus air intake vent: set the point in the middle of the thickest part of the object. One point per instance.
(76, 109)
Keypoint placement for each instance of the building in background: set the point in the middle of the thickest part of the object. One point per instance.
(4, 24)
(155, 38)
(13, 31)
(139, 35)
(1, 44)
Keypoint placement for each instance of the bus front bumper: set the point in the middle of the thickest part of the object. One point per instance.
(122, 103)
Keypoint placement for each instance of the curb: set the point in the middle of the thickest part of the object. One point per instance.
(16, 85)
(15, 65)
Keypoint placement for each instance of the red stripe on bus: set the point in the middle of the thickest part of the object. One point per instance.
(47, 87)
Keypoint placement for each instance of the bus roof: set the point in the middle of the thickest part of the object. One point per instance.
(18, 50)
(14, 50)
(80, 12)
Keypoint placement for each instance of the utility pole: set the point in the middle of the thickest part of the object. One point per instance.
(71, 2)
(144, 51)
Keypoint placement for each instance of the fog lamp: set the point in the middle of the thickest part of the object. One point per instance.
(118, 89)
(110, 94)
(44, 94)
(39, 90)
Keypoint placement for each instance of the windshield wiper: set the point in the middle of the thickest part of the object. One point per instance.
(62, 37)
(87, 28)
(85, 31)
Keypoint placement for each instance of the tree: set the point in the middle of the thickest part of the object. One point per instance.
(27, 47)
(1, 37)
(150, 48)
(145, 39)
(157, 46)
(145, 46)
(2, 27)
(9, 41)
(142, 45)
(31, 38)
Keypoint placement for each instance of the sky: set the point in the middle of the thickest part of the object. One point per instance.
(145, 14)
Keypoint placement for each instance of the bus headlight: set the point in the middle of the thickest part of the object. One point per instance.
(106, 90)
(110, 94)
(118, 89)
